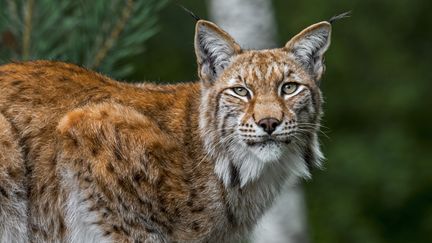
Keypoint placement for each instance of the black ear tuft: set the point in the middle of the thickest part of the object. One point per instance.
(196, 17)
(340, 16)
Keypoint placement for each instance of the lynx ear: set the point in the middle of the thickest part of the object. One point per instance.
(214, 49)
(309, 46)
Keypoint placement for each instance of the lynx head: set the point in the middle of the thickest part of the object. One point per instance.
(261, 107)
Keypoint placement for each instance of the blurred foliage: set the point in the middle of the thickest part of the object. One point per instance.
(170, 56)
(377, 185)
(98, 34)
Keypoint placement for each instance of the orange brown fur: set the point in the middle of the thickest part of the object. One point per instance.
(117, 162)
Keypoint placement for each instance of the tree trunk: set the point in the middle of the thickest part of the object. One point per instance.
(252, 25)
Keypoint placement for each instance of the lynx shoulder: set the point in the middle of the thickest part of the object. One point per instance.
(85, 158)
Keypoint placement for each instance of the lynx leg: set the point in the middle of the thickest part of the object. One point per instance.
(13, 199)
(100, 157)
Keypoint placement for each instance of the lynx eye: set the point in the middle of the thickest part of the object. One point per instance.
(241, 91)
(289, 88)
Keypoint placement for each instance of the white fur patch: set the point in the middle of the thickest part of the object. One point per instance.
(251, 167)
(78, 218)
(13, 226)
(285, 221)
(316, 150)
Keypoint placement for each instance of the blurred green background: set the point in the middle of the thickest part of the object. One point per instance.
(377, 182)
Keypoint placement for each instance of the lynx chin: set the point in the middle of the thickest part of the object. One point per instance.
(84, 158)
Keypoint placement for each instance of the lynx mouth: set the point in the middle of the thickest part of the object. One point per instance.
(267, 142)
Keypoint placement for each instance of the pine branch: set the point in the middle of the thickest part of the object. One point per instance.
(118, 28)
(28, 12)
(78, 31)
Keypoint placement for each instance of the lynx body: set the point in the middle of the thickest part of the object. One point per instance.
(84, 158)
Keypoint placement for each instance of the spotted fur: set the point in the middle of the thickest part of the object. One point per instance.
(84, 158)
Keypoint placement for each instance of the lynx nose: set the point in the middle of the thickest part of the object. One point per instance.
(269, 124)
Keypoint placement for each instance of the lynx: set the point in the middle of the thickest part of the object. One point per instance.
(84, 158)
